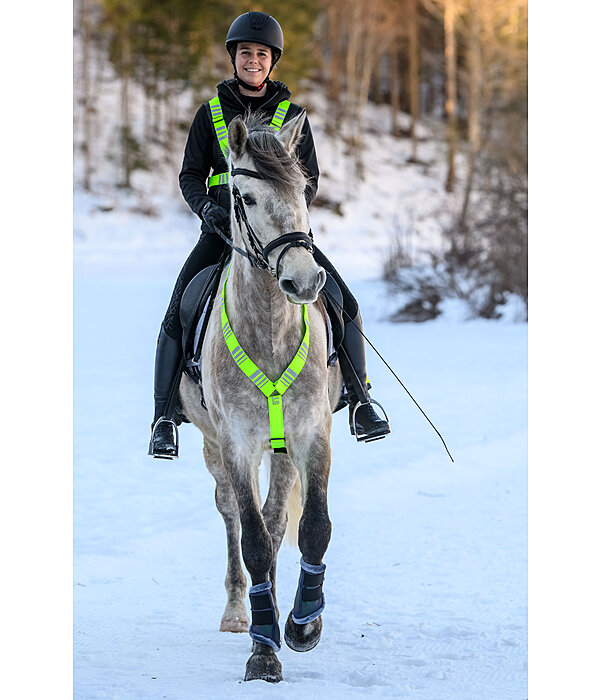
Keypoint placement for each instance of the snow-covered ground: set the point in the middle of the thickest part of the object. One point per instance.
(427, 571)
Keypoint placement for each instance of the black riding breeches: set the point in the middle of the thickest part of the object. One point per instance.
(207, 252)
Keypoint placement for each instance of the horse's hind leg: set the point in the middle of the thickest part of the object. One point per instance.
(235, 617)
(304, 624)
(282, 478)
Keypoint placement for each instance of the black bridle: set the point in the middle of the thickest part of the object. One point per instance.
(259, 256)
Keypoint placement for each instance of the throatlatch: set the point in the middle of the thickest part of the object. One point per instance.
(265, 625)
(310, 599)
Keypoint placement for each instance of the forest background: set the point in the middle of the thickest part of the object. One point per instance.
(460, 65)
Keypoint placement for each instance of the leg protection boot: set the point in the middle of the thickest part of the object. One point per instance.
(265, 625)
(168, 365)
(365, 422)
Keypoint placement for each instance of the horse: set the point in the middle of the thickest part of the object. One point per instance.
(262, 402)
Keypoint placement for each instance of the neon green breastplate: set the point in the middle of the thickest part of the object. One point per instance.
(273, 391)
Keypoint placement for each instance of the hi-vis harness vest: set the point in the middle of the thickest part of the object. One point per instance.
(221, 132)
(273, 391)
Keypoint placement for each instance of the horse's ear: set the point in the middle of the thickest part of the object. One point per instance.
(237, 135)
(291, 132)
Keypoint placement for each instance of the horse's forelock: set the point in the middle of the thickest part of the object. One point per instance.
(272, 162)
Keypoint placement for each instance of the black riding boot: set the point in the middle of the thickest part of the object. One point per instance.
(365, 423)
(164, 442)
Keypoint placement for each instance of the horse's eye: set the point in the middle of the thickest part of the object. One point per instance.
(248, 199)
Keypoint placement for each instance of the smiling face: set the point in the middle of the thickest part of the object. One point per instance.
(253, 62)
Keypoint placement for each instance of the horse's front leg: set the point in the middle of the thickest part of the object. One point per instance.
(304, 624)
(257, 552)
(283, 474)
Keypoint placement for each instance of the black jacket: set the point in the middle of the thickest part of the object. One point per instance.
(203, 155)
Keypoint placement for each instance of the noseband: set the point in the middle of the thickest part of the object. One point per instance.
(259, 258)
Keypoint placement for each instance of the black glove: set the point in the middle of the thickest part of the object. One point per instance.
(215, 216)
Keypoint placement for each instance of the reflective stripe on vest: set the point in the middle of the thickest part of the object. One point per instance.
(273, 391)
(219, 124)
(221, 132)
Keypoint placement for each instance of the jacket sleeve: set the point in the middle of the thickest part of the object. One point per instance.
(197, 161)
(308, 158)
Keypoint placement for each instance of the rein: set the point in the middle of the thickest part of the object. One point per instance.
(259, 256)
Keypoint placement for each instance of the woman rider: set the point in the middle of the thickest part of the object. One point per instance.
(255, 43)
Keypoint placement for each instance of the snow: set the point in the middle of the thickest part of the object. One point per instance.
(426, 582)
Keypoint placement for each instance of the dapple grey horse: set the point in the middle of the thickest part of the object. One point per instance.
(269, 299)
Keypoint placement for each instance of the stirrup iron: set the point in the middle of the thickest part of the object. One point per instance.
(365, 438)
(161, 420)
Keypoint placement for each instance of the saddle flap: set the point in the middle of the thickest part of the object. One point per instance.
(195, 298)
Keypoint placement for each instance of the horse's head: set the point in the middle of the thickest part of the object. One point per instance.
(270, 214)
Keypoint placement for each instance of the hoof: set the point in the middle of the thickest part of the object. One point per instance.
(302, 637)
(234, 624)
(263, 665)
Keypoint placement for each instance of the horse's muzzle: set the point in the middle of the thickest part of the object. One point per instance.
(303, 291)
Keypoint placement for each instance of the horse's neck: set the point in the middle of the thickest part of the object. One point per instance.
(267, 326)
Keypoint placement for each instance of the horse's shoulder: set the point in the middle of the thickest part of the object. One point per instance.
(320, 307)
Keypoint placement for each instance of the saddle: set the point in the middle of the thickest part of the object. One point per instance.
(197, 302)
(194, 311)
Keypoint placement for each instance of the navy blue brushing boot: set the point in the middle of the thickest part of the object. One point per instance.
(263, 664)
(304, 624)
(265, 625)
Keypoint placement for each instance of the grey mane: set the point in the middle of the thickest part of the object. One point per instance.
(271, 160)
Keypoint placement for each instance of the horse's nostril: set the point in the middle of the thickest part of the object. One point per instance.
(288, 286)
(322, 279)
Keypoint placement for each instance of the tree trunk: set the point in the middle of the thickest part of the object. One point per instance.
(351, 70)
(125, 129)
(171, 111)
(366, 74)
(475, 86)
(413, 62)
(377, 80)
(451, 87)
(395, 86)
(334, 40)
(87, 112)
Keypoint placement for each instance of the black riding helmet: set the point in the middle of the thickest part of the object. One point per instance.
(259, 28)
